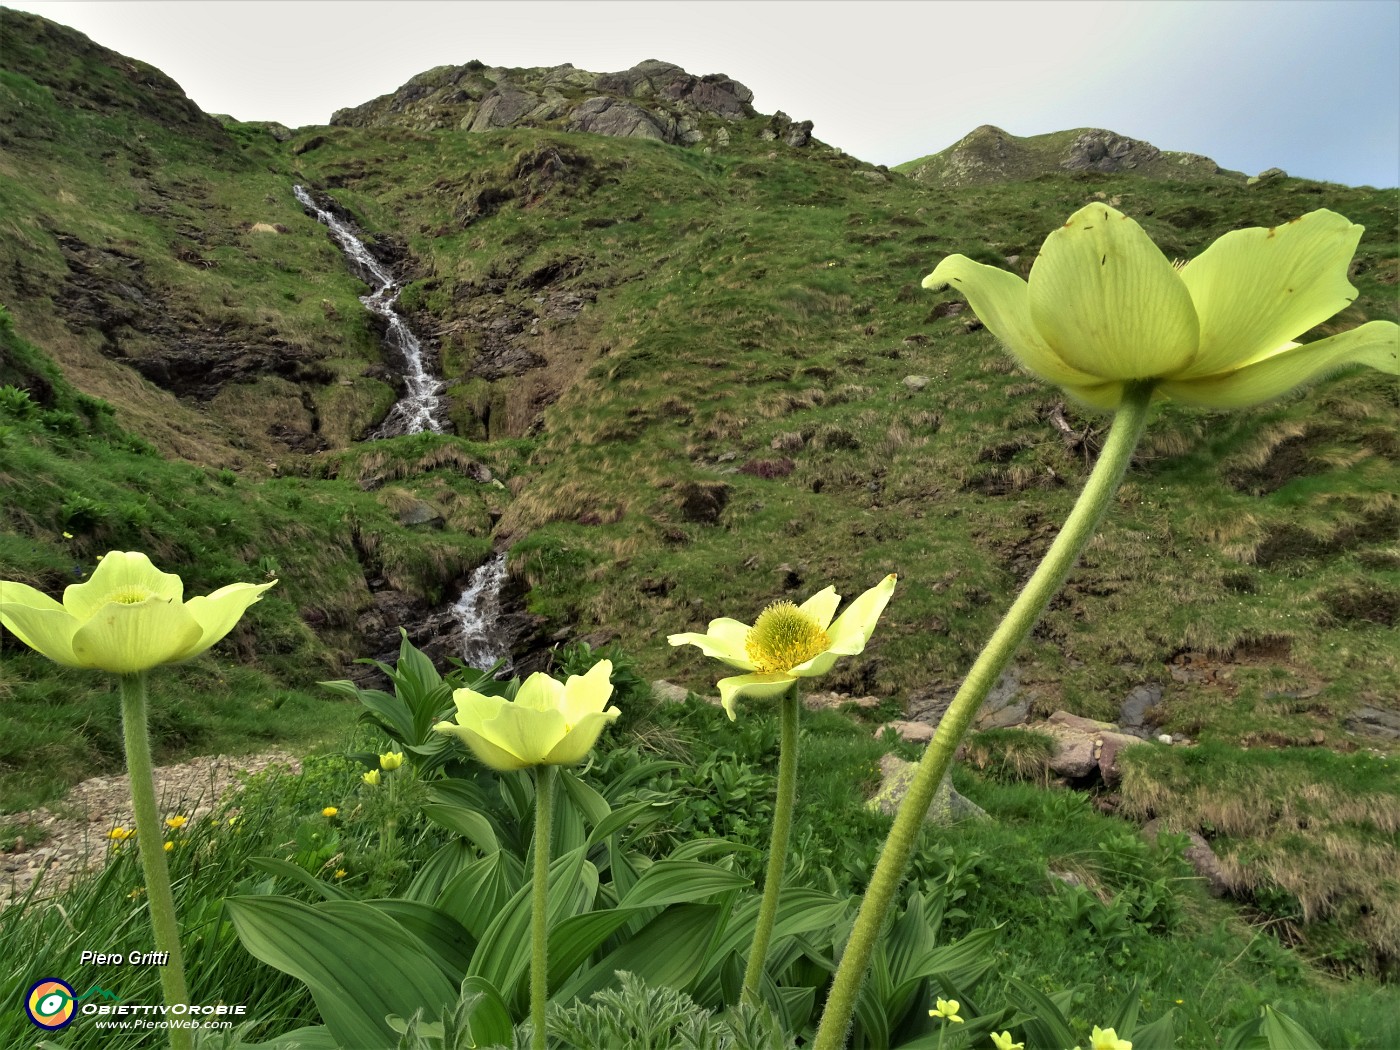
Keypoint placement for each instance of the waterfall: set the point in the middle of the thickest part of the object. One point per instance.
(478, 610)
(417, 410)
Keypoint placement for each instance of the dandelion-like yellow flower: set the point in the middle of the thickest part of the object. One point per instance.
(371, 778)
(176, 821)
(1104, 307)
(1003, 1042)
(128, 616)
(1107, 1039)
(788, 641)
(169, 846)
(391, 760)
(329, 811)
(339, 873)
(120, 834)
(948, 1010)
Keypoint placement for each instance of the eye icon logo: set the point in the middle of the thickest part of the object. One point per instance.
(50, 1004)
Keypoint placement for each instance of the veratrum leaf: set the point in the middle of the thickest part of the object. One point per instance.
(1284, 1033)
(359, 964)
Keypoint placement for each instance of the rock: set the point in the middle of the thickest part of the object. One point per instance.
(947, 806)
(1266, 175)
(1200, 856)
(1075, 755)
(1110, 744)
(669, 692)
(909, 732)
(1011, 715)
(823, 701)
(607, 116)
(263, 227)
(1078, 723)
(1373, 720)
(421, 513)
(1002, 696)
(1164, 738)
(916, 382)
(502, 108)
(1136, 705)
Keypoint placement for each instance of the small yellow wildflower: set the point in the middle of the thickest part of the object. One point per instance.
(1003, 1042)
(340, 873)
(391, 760)
(329, 811)
(120, 834)
(169, 846)
(136, 893)
(371, 778)
(948, 1010)
(176, 821)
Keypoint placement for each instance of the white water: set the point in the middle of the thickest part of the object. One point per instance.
(479, 607)
(418, 409)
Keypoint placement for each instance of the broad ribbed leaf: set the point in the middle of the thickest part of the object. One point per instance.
(592, 805)
(444, 937)
(678, 881)
(621, 818)
(315, 1037)
(490, 1019)
(1046, 1025)
(1284, 1033)
(1159, 1035)
(468, 823)
(285, 869)
(359, 964)
(439, 870)
(479, 893)
(670, 950)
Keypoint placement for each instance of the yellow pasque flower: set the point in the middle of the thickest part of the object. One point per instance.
(1107, 1039)
(391, 760)
(127, 617)
(371, 778)
(120, 834)
(547, 724)
(1003, 1042)
(948, 1010)
(788, 642)
(329, 811)
(176, 821)
(1104, 307)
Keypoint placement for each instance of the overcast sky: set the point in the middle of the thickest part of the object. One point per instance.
(1311, 86)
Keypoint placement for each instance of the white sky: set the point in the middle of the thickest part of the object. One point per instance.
(1311, 86)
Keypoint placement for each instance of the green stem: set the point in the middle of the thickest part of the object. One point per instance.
(777, 848)
(1049, 577)
(539, 921)
(160, 901)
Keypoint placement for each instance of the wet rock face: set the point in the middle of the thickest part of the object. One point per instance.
(654, 100)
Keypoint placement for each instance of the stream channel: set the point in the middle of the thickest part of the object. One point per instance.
(477, 611)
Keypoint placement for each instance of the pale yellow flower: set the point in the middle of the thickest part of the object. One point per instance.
(391, 760)
(547, 724)
(788, 642)
(1107, 1039)
(1003, 1042)
(1104, 307)
(948, 1010)
(127, 617)
(371, 778)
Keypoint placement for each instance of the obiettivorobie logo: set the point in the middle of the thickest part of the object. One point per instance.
(52, 1004)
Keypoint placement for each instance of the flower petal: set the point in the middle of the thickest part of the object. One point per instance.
(854, 627)
(724, 641)
(539, 692)
(1001, 302)
(487, 753)
(1376, 344)
(822, 606)
(586, 694)
(529, 734)
(121, 572)
(1107, 302)
(817, 665)
(38, 621)
(1256, 289)
(217, 613)
(755, 685)
(579, 740)
(125, 639)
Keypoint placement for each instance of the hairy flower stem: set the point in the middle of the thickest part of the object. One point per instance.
(159, 900)
(539, 919)
(1049, 577)
(777, 848)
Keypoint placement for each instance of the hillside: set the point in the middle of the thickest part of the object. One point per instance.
(699, 378)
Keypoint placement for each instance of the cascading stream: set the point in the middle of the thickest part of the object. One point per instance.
(418, 409)
(478, 610)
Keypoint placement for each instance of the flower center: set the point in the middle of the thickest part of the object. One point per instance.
(131, 596)
(783, 637)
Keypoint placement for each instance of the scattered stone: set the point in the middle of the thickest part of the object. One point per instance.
(909, 732)
(264, 227)
(947, 807)
(420, 512)
(1132, 714)
(822, 701)
(1266, 175)
(916, 382)
(1079, 723)
(1075, 754)
(1199, 855)
(1002, 718)
(1373, 720)
(1165, 738)
(1109, 746)
(669, 692)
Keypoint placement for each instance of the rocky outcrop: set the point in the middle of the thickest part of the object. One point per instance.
(988, 155)
(652, 100)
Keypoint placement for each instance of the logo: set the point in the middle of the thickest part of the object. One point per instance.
(50, 1004)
